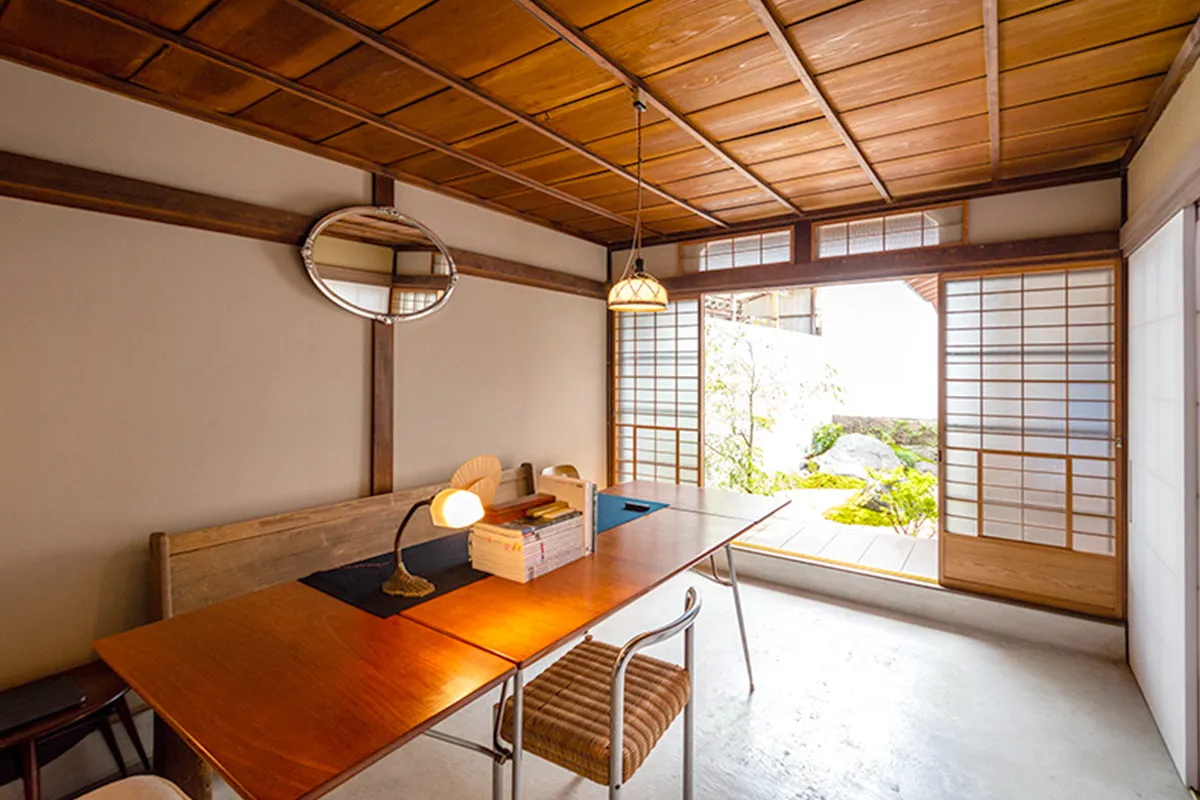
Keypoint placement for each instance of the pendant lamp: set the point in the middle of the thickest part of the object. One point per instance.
(637, 290)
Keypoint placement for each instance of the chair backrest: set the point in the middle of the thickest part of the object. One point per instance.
(197, 568)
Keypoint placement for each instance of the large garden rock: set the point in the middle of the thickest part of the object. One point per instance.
(853, 453)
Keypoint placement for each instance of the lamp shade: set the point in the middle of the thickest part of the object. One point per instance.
(455, 508)
(641, 291)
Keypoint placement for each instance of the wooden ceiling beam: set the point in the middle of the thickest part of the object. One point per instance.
(789, 50)
(991, 60)
(1092, 172)
(1180, 67)
(580, 41)
(392, 49)
(55, 66)
(248, 69)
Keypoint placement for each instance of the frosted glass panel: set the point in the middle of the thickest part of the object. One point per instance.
(1030, 408)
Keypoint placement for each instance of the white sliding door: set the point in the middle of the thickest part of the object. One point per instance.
(1162, 489)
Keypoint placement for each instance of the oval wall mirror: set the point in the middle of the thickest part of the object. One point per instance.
(377, 263)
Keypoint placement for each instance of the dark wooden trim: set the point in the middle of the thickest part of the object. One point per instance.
(43, 181)
(394, 49)
(881, 266)
(1095, 172)
(1180, 67)
(383, 190)
(496, 268)
(802, 243)
(991, 60)
(248, 69)
(383, 394)
(791, 53)
(610, 378)
(580, 41)
(59, 184)
(53, 66)
(383, 373)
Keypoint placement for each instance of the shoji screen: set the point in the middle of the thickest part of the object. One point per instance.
(657, 394)
(1030, 416)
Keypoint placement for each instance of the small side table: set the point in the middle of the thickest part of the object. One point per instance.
(104, 695)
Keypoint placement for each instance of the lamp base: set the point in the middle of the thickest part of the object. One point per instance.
(404, 584)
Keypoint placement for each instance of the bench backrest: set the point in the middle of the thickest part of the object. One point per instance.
(194, 569)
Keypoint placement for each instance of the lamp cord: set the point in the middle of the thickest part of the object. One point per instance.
(635, 247)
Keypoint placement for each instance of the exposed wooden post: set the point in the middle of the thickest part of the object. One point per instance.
(383, 374)
(991, 60)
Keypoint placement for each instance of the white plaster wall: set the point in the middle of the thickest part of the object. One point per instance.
(1091, 207)
(154, 377)
(1162, 493)
(1176, 133)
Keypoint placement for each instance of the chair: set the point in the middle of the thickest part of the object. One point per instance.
(599, 710)
(139, 787)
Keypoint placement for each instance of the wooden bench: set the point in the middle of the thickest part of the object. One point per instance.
(197, 568)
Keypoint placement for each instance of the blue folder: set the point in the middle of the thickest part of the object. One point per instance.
(611, 510)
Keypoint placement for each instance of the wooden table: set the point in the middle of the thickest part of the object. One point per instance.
(288, 692)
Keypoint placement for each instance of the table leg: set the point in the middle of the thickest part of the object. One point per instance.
(737, 604)
(126, 718)
(518, 731)
(111, 741)
(29, 767)
(177, 762)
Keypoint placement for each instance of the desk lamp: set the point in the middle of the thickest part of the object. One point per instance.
(472, 488)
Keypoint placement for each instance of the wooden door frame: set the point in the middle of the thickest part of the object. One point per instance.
(1053, 564)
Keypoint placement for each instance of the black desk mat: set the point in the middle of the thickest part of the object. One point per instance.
(444, 561)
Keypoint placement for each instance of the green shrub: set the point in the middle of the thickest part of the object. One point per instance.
(825, 437)
(908, 458)
(823, 480)
(850, 514)
(909, 497)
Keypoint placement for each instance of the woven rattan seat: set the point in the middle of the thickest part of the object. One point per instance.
(567, 709)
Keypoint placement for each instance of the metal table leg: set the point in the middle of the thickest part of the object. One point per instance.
(737, 603)
(518, 731)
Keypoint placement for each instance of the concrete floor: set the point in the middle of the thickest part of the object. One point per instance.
(851, 704)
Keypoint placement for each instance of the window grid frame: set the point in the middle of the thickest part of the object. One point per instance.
(883, 216)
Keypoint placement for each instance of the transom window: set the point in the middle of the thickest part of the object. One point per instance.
(751, 250)
(902, 230)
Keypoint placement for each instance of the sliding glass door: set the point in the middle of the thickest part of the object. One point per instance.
(1032, 490)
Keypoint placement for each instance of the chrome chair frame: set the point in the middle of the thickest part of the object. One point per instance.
(684, 624)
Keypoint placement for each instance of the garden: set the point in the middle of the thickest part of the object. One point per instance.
(771, 428)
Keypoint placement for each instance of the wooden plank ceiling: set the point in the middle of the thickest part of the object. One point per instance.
(759, 109)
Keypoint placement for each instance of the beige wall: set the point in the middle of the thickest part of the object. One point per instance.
(1175, 134)
(1057, 211)
(160, 378)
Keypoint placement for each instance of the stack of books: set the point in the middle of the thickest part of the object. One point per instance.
(522, 549)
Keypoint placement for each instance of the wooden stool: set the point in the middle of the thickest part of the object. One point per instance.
(139, 787)
(45, 739)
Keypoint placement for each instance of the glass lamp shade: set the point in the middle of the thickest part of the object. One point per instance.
(641, 291)
(455, 508)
